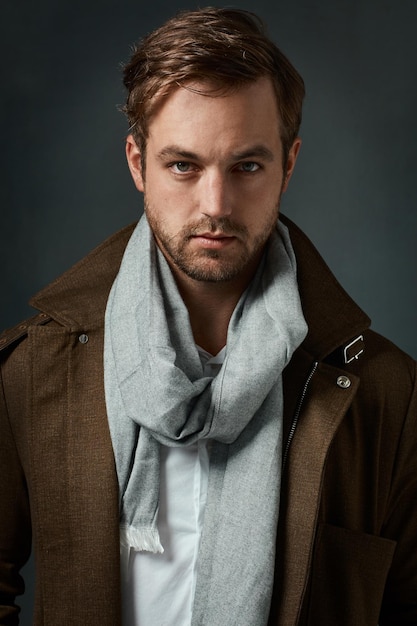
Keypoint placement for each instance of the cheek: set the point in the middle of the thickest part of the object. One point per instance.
(261, 207)
(167, 208)
(263, 190)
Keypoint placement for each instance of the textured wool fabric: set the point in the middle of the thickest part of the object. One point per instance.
(156, 394)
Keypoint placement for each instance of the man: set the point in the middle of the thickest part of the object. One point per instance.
(198, 427)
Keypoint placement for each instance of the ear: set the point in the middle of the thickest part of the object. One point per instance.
(291, 160)
(134, 161)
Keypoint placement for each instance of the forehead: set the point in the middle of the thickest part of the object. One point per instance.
(198, 113)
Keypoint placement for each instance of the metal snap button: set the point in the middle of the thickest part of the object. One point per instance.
(343, 382)
(83, 338)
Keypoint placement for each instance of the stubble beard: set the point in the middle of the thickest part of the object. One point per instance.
(207, 265)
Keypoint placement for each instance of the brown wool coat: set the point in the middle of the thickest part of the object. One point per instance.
(347, 535)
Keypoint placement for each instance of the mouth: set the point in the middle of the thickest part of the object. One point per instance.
(213, 240)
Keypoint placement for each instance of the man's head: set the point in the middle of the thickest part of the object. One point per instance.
(219, 49)
(215, 108)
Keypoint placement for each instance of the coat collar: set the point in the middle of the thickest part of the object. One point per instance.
(332, 316)
(78, 298)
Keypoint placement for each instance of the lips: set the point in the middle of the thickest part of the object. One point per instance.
(210, 235)
(213, 240)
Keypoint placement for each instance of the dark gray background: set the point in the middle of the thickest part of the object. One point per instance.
(65, 185)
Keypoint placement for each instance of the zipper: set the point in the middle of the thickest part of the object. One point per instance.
(297, 414)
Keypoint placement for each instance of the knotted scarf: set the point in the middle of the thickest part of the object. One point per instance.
(156, 394)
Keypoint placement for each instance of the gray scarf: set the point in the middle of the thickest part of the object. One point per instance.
(156, 394)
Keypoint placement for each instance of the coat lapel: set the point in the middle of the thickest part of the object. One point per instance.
(324, 407)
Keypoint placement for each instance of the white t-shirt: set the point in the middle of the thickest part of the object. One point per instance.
(158, 589)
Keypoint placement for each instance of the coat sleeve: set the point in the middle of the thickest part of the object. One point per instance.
(400, 599)
(15, 526)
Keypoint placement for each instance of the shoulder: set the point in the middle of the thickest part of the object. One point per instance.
(387, 360)
(12, 336)
(77, 297)
(15, 372)
(388, 379)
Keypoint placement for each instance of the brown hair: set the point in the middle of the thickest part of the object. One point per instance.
(222, 48)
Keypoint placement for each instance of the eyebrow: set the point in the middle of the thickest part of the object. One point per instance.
(257, 151)
(175, 152)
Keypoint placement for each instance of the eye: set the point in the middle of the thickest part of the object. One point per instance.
(249, 166)
(181, 167)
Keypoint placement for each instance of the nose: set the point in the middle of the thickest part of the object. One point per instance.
(215, 198)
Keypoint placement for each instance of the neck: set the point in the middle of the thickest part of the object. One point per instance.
(210, 306)
(210, 310)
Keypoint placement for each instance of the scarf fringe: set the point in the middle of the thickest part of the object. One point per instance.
(141, 539)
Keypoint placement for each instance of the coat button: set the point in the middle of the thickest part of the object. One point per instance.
(343, 382)
(83, 338)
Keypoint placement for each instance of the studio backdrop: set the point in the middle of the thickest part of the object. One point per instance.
(65, 185)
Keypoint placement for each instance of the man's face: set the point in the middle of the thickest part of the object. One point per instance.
(214, 177)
